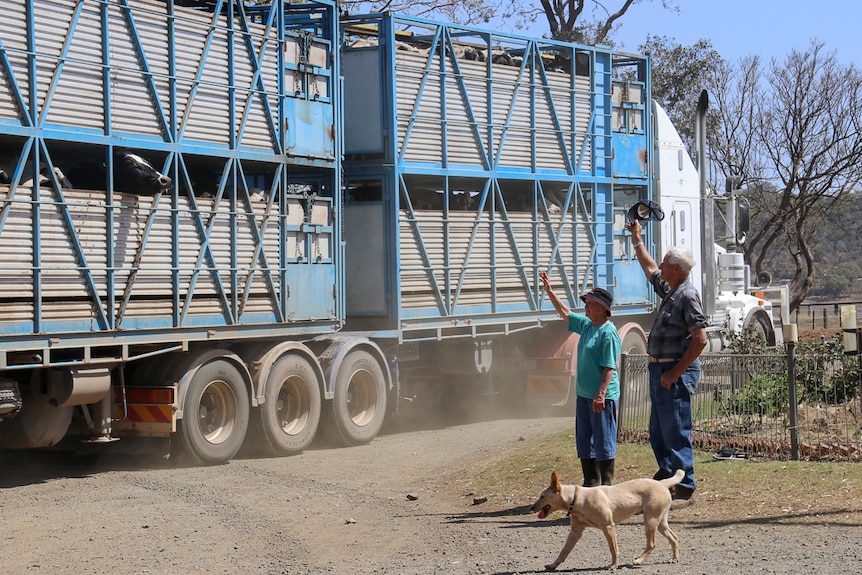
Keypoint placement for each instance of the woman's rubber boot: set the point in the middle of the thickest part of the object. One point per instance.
(606, 471)
(591, 472)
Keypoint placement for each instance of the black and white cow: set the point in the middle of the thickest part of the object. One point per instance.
(7, 169)
(133, 174)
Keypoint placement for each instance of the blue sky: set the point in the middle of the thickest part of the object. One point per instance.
(769, 28)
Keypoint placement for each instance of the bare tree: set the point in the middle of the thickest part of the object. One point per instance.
(587, 22)
(457, 11)
(566, 20)
(793, 132)
(734, 91)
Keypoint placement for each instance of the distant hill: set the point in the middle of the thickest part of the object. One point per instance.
(838, 253)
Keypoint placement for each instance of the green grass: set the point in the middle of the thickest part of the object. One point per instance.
(792, 491)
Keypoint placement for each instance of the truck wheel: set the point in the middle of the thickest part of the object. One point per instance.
(290, 414)
(355, 415)
(215, 414)
(761, 329)
(633, 339)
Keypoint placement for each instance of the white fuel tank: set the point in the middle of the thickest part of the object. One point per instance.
(731, 272)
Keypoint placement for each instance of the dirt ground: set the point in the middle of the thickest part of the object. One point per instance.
(395, 506)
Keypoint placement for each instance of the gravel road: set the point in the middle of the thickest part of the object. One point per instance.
(394, 506)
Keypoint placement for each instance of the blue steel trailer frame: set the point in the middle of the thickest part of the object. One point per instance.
(546, 142)
(240, 105)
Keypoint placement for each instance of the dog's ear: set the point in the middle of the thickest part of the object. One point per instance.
(555, 481)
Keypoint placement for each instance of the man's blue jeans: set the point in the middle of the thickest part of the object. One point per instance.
(670, 422)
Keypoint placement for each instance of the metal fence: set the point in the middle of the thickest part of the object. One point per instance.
(822, 315)
(742, 405)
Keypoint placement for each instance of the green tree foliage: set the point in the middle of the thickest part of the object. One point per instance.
(679, 74)
(837, 251)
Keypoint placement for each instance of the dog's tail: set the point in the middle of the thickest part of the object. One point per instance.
(671, 481)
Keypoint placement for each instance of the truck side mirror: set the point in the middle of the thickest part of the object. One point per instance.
(732, 183)
(743, 221)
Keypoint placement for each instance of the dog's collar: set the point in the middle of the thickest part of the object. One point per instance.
(572, 504)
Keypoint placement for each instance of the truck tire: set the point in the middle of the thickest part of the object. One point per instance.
(355, 414)
(215, 414)
(761, 328)
(633, 339)
(290, 415)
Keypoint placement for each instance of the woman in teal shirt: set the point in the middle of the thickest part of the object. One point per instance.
(598, 386)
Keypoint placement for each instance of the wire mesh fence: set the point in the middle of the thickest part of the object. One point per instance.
(742, 405)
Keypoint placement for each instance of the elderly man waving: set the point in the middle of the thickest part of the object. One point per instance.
(676, 339)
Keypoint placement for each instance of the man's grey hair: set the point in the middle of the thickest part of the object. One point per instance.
(680, 256)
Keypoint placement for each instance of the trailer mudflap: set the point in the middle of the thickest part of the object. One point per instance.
(550, 383)
(146, 411)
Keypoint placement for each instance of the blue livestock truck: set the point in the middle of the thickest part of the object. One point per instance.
(226, 223)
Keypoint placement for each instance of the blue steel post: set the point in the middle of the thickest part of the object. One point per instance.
(603, 163)
(31, 116)
(338, 175)
(391, 200)
(281, 143)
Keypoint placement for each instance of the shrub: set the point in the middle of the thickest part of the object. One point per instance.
(748, 341)
(845, 382)
(824, 375)
(765, 394)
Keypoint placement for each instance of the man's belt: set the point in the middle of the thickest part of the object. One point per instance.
(662, 359)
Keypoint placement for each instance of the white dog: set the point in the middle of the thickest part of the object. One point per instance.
(604, 506)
